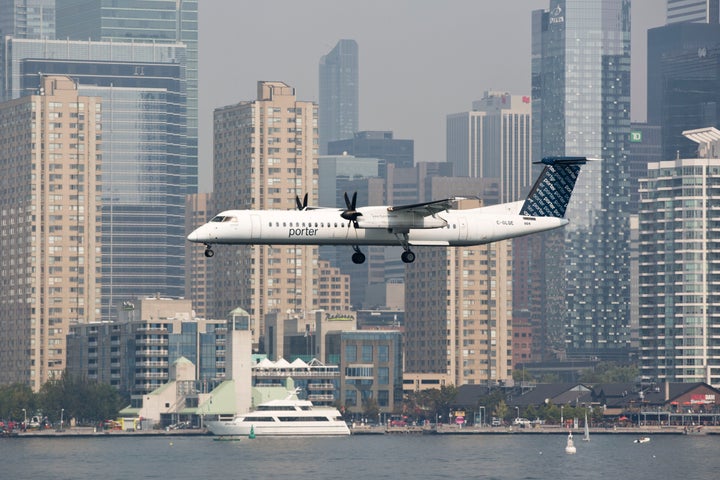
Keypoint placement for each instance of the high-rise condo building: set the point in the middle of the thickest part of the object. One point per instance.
(339, 88)
(145, 159)
(581, 107)
(265, 154)
(699, 11)
(458, 308)
(679, 266)
(198, 208)
(50, 199)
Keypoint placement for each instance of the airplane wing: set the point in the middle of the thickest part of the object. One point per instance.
(426, 208)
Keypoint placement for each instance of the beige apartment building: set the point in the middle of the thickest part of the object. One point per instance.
(198, 210)
(265, 154)
(458, 311)
(49, 227)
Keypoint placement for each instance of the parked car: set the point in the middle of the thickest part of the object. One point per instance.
(496, 422)
(522, 422)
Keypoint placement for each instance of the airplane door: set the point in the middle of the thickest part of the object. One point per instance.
(463, 226)
(255, 227)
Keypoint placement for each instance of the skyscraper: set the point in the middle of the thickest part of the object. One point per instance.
(157, 21)
(680, 266)
(28, 18)
(494, 141)
(51, 215)
(265, 154)
(683, 83)
(144, 154)
(339, 103)
(700, 11)
(581, 107)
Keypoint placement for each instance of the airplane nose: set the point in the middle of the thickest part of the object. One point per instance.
(193, 237)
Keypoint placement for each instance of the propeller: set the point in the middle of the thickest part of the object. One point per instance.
(301, 205)
(351, 214)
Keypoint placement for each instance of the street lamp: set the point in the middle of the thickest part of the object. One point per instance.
(62, 411)
(517, 411)
(561, 415)
(24, 418)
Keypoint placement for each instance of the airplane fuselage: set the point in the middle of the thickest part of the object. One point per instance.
(325, 226)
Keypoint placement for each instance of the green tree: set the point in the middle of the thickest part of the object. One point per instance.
(501, 410)
(14, 398)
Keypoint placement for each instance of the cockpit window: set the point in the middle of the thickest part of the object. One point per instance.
(224, 218)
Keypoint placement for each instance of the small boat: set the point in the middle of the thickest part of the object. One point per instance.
(642, 440)
(570, 447)
(586, 437)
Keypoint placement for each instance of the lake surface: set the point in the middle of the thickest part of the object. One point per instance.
(515, 456)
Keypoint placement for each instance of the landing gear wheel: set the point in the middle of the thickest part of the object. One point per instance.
(209, 253)
(358, 258)
(407, 256)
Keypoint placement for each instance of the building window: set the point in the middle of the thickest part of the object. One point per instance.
(367, 353)
(383, 376)
(351, 353)
(383, 353)
(383, 398)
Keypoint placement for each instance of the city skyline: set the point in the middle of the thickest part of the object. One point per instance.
(448, 54)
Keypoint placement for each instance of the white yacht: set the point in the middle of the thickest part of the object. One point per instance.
(289, 417)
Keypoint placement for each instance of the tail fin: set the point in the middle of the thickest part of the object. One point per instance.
(550, 195)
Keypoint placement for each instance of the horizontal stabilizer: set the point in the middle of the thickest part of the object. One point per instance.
(551, 193)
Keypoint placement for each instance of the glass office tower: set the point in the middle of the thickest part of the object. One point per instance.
(157, 21)
(581, 106)
(27, 18)
(339, 91)
(144, 154)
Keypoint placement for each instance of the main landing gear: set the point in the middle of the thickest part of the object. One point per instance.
(209, 253)
(407, 256)
(358, 257)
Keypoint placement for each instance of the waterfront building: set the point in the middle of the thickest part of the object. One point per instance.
(679, 266)
(581, 107)
(371, 367)
(698, 11)
(339, 91)
(134, 354)
(265, 154)
(50, 213)
(27, 18)
(199, 209)
(145, 159)
(683, 83)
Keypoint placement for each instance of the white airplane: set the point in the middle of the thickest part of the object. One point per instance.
(434, 223)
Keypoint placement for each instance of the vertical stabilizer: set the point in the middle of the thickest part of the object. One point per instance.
(551, 193)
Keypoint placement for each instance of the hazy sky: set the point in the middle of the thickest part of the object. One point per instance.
(420, 60)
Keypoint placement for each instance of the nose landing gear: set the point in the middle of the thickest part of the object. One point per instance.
(209, 253)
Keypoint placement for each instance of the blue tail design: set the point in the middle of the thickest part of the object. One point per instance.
(551, 193)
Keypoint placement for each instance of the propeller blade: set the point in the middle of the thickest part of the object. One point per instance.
(301, 205)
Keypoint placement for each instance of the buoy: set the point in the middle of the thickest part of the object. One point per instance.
(252, 432)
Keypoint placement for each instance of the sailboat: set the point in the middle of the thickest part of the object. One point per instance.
(586, 437)
(570, 447)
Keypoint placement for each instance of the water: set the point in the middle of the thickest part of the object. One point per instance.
(373, 457)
